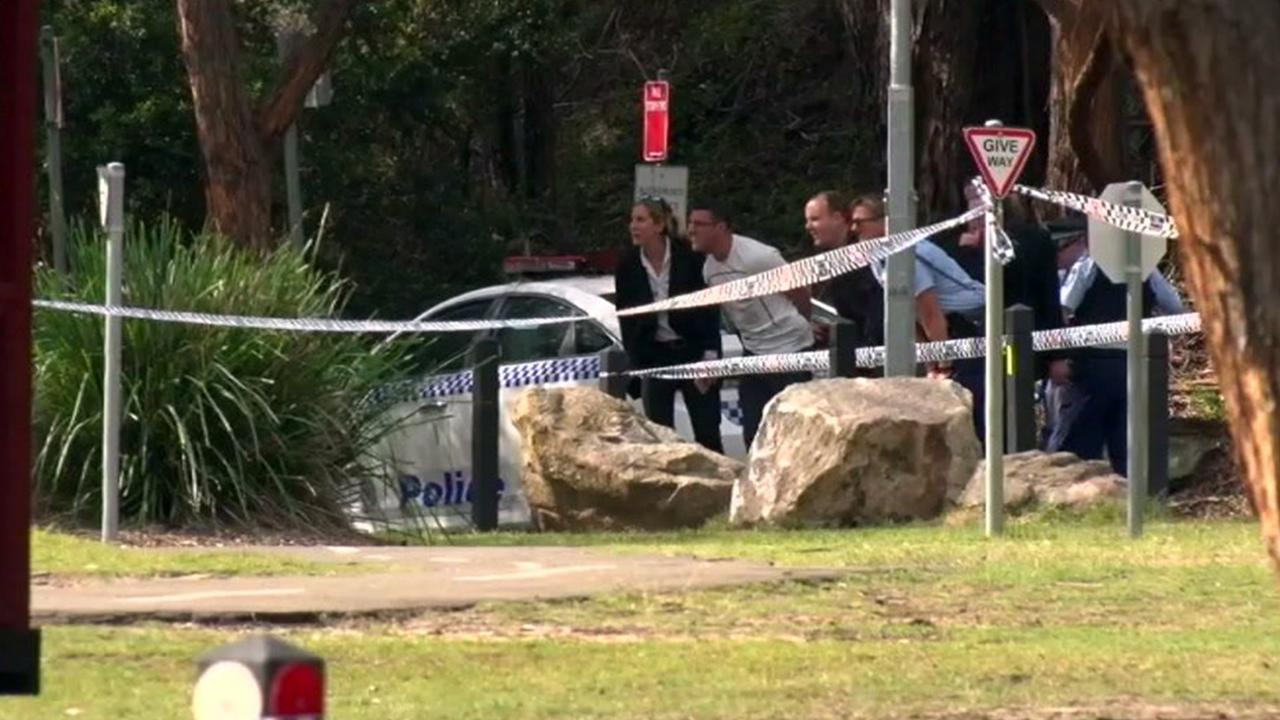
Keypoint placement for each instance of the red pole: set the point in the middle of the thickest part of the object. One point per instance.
(20, 654)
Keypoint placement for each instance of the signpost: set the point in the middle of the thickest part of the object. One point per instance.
(19, 642)
(1000, 154)
(669, 182)
(1129, 257)
(111, 211)
(320, 94)
(657, 120)
(653, 178)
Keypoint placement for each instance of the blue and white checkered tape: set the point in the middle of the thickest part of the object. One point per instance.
(542, 372)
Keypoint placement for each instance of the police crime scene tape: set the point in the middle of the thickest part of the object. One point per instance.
(1068, 338)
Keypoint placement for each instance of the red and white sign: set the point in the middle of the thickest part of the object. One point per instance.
(1000, 154)
(657, 123)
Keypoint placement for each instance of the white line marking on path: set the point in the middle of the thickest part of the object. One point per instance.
(535, 574)
(212, 595)
(449, 560)
(340, 550)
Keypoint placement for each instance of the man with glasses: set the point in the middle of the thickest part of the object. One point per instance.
(768, 325)
(855, 296)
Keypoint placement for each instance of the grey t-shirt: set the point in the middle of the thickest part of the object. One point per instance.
(769, 324)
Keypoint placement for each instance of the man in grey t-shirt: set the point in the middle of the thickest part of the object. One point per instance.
(768, 325)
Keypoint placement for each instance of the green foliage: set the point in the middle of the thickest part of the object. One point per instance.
(221, 424)
(463, 131)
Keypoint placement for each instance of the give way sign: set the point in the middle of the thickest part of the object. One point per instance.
(1000, 154)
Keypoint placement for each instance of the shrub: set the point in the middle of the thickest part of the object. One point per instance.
(220, 424)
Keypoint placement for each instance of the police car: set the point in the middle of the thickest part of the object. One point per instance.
(427, 455)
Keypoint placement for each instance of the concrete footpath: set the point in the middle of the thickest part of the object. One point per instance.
(400, 580)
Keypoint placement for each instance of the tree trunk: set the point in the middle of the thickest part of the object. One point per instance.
(1086, 139)
(1211, 80)
(236, 142)
(943, 69)
(238, 178)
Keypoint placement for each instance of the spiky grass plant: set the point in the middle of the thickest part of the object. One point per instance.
(220, 424)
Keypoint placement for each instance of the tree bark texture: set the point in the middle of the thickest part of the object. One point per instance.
(945, 52)
(235, 141)
(1210, 77)
(237, 176)
(1086, 139)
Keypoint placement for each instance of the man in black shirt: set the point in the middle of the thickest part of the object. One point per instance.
(856, 296)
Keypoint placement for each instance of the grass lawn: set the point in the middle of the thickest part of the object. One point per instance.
(70, 556)
(924, 621)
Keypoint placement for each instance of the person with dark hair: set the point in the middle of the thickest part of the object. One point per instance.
(768, 325)
(855, 296)
(658, 265)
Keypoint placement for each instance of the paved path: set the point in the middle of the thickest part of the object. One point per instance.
(403, 580)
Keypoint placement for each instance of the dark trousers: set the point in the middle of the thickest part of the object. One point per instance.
(1093, 412)
(659, 398)
(755, 391)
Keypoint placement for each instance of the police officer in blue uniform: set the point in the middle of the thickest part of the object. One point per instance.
(949, 303)
(1092, 409)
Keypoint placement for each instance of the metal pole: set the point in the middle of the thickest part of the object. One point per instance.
(1137, 384)
(899, 290)
(843, 349)
(1020, 379)
(19, 642)
(1157, 358)
(53, 144)
(484, 434)
(613, 362)
(293, 185)
(114, 222)
(994, 387)
(994, 322)
(285, 41)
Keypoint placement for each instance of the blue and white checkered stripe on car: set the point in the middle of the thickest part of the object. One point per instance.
(542, 372)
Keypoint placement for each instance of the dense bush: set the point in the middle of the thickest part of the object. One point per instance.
(220, 424)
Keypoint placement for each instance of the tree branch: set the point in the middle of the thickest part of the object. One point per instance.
(303, 65)
(1098, 169)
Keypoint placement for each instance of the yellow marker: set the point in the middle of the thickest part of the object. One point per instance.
(1008, 360)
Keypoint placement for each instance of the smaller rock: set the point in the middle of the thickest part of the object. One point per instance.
(1048, 479)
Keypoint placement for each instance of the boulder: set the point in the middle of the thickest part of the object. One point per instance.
(1038, 478)
(591, 462)
(841, 452)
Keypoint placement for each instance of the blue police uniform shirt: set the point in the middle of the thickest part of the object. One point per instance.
(936, 270)
(1082, 274)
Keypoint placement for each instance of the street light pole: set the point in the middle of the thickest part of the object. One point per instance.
(899, 286)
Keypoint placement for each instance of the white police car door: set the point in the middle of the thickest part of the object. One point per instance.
(423, 454)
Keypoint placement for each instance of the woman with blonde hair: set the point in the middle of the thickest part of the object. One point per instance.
(658, 265)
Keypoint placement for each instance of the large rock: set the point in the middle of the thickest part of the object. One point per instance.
(590, 462)
(1038, 478)
(858, 451)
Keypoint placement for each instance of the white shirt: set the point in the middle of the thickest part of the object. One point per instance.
(769, 324)
(660, 286)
